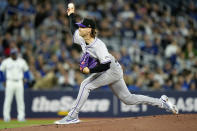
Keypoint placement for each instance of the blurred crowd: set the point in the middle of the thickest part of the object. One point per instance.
(155, 41)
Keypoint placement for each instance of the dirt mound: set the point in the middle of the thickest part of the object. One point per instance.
(182, 122)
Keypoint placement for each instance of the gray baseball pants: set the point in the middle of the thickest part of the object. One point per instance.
(114, 78)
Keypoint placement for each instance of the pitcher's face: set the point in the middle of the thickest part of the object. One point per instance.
(84, 31)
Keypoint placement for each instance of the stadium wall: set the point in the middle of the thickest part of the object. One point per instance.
(55, 103)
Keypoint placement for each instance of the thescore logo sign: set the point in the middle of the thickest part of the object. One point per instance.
(42, 104)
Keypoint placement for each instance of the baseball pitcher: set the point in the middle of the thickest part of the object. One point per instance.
(104, 70)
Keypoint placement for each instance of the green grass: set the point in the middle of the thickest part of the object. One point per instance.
(15, 123)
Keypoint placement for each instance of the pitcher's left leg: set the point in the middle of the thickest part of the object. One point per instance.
(121, 91)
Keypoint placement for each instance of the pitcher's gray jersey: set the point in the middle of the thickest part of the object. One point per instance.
(96, 49)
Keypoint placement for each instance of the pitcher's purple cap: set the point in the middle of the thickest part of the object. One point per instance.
(87, 23)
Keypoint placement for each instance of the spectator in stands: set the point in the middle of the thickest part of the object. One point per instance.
(168, 85)
(171, 51)
(190, 51)
(14, 24)
(125, 59)
(6, 44)
(194, 84)
(49, 81)
(25, 8)
(65, 78)
(135, 53)
(27, 32)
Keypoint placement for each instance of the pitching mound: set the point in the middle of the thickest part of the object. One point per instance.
(183, 122)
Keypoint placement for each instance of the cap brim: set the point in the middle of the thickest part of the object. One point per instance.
(13, 52)
(81, 25)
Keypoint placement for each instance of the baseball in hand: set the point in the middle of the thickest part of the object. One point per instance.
(71, 9)
(70, 5)
(86, 70)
